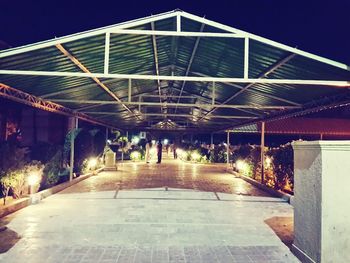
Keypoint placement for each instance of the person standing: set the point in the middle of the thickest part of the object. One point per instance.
(174, 151)
(147, 154)
(159, 151)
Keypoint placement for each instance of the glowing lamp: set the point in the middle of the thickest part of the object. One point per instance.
(166, 141)
(195, 156)
(242, 166)
(92, 163)
(33, 179)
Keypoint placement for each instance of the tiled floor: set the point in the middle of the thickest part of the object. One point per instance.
(103, 219)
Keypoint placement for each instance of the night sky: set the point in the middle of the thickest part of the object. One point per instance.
(321, 27)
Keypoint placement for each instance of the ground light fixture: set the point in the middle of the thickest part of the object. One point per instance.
(180, 153)
(195, 156)
(242, 166)
(92, 163)
(33, 179)
(166, 141)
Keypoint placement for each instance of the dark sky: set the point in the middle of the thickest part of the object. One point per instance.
(321, 27)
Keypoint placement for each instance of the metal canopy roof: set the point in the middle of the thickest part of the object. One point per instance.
(171, 71)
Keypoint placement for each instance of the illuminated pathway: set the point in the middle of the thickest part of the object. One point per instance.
(172, 212)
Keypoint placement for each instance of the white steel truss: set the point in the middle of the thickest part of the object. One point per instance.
(211, 105)
(33, 101)
(335, 83)
(178, 14)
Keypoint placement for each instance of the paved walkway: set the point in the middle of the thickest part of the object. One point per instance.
(140, 214)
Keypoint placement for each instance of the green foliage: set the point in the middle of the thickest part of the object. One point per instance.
(218, 154)
(123, 142)
(283, 165)
(53, 170)
(135, 156)
(12, 161)
(67, 142)
(85, 147)
(14, 182)
(99, 142)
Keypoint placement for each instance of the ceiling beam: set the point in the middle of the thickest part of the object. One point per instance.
(262, 75)
(87, 34)
(156, 63)
(174, 33)
(36, 102)
(196, 44)
(334, 83)
(84, 69)
(200, 105)
(174, 115)
(249, 90)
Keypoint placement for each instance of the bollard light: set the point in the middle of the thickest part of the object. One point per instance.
(242, 166)
(92, 163)
(195, 156)
(33, 179)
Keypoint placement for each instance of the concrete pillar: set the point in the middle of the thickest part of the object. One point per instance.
(211, 139)
(321, 201)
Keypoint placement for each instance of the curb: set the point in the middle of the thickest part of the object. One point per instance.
(288, 197)
(37, 197)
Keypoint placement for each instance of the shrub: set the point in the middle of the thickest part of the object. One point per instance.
(218, 154)
(98, 140)
(54, 170)
(135, 156)
(14, 182)
(283, 166)
(83, 148)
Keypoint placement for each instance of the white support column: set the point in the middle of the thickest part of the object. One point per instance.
(213, 95)
(246, 58)
(140, 100)
(129, 90)
(107, 43)
(321, 201)
(211, 139)
(262, 155)
(178, 23)
(106, 135)
(73, 126)
(228, 150)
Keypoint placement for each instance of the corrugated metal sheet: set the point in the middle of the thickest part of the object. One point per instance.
(134, 54)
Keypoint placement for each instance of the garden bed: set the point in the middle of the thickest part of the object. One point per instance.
(18, 204)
